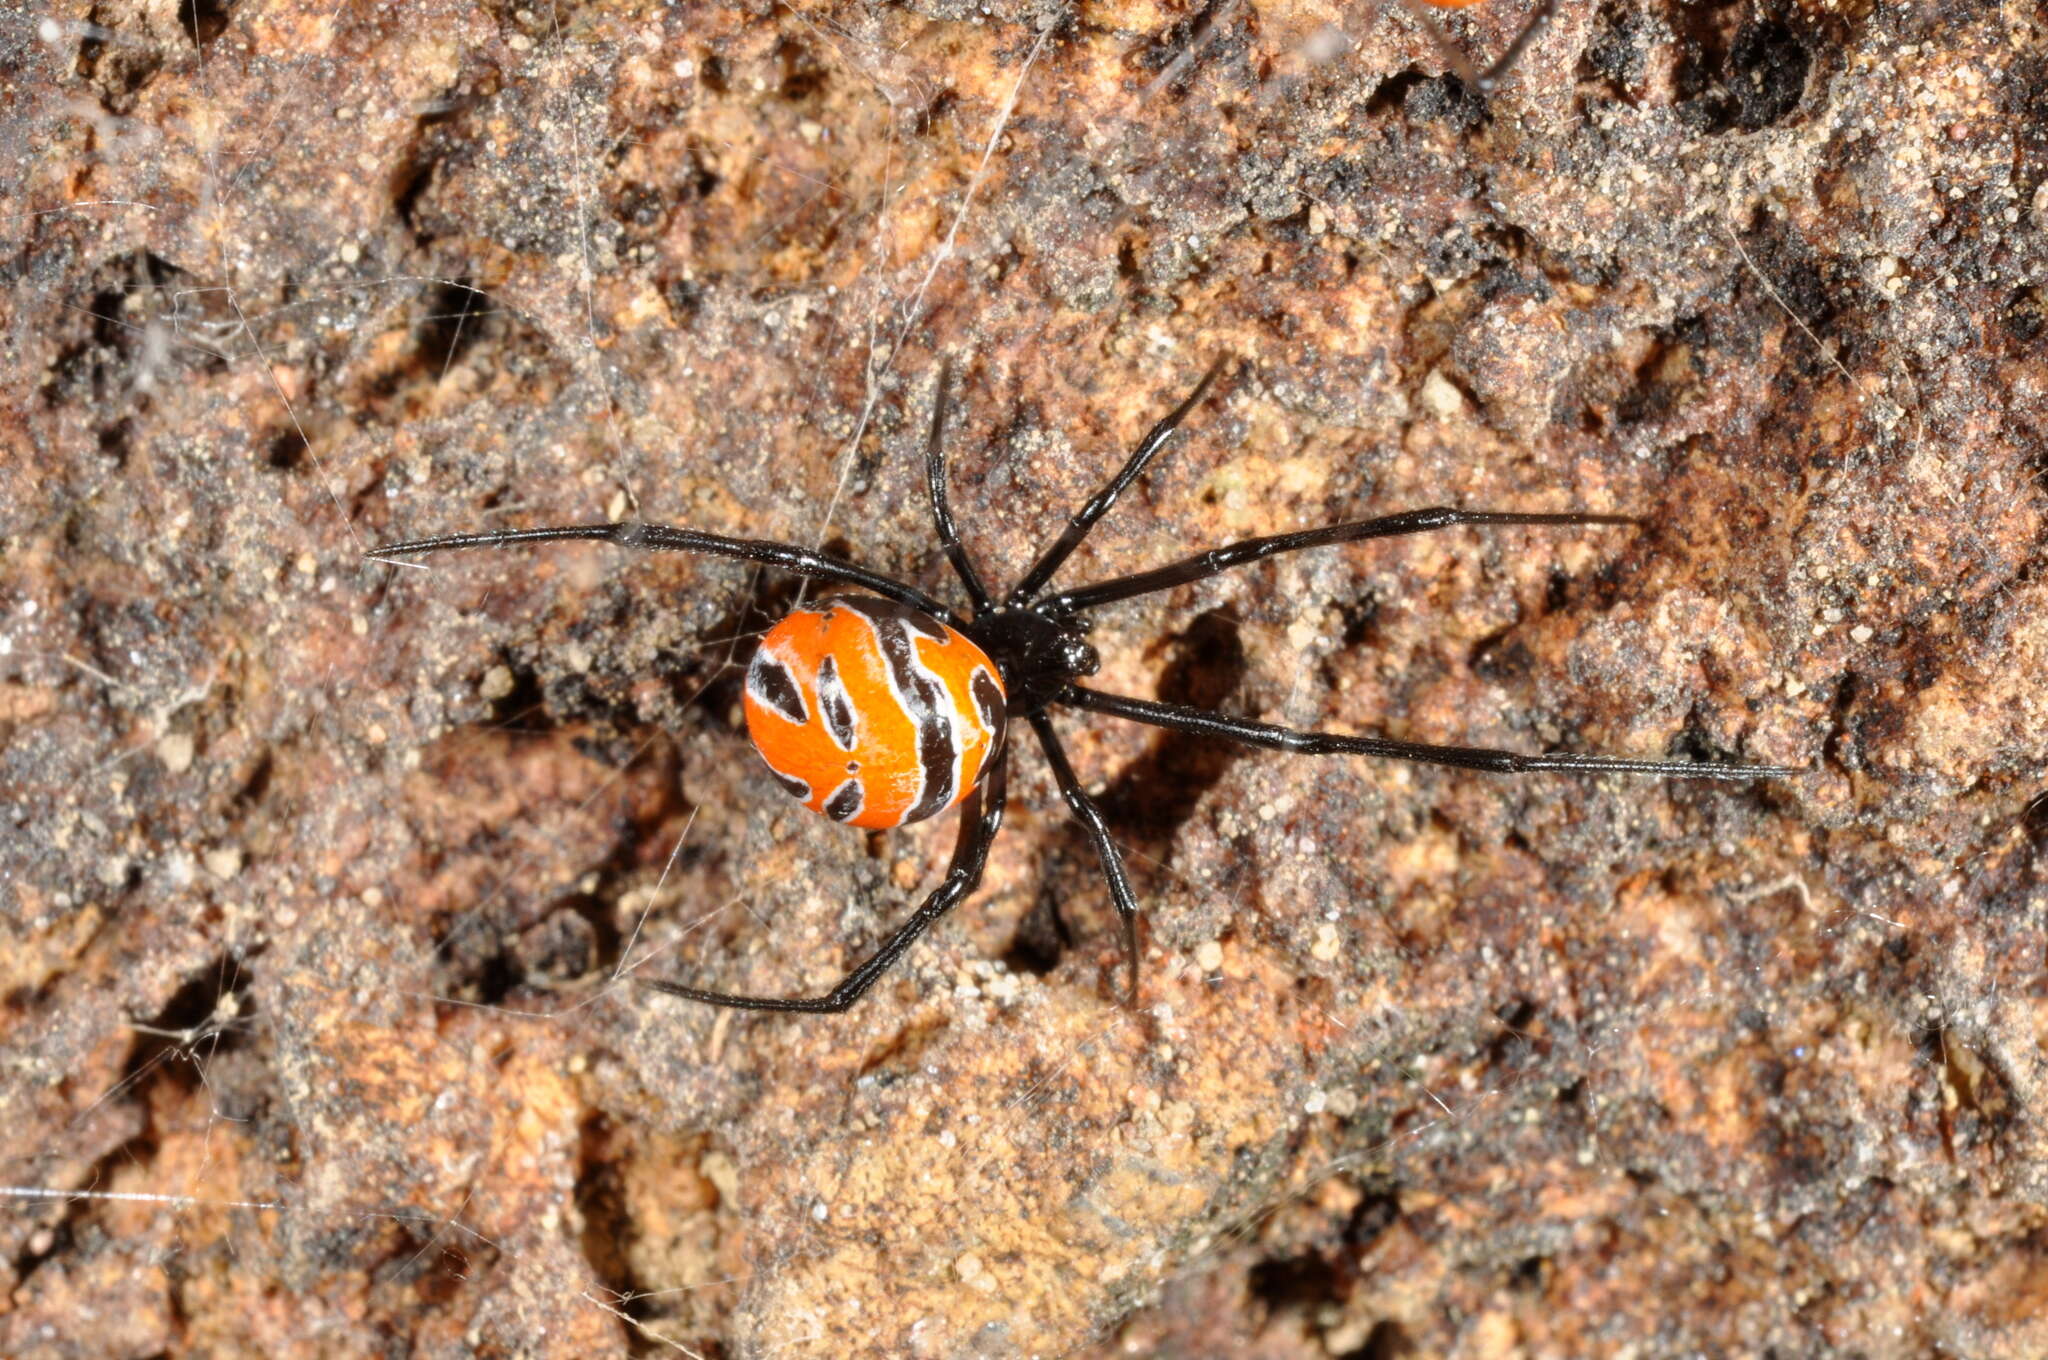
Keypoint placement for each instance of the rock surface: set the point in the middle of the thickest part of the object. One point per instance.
(321, 875)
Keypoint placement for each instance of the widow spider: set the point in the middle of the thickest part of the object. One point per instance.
(882, 711)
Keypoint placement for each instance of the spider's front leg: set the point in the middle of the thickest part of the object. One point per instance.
(1273, 737)
(981, 817)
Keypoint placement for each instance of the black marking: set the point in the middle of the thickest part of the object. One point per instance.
(794, 787)
(836, 705)
(845, 802)
(774, 688)
(880, 612)
(988, 697)
(925, 626)
(924, 702)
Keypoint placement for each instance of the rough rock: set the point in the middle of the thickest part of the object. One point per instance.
(323, 878)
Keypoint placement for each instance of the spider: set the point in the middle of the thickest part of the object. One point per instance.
(884, 708)
(1461, 65)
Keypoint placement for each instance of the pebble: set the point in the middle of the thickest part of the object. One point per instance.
(174, 749)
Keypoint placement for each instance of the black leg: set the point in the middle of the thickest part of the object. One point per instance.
(1198, 722)
(1461, 65)
(981, 817)
(1077, 528)
(665, 538)
(1531, 31)
(1253, 549)
(1090, 817)
(935, 480)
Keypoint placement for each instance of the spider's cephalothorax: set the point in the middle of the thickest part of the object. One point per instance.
(881, 709)
(1039, 655)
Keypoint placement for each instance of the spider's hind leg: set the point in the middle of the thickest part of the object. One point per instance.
(981, 817)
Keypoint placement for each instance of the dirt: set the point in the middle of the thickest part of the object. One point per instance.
(325, 881)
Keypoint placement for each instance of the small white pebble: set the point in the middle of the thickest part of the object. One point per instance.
(1208, 956)
(1325, 947)
(1441, 395)
(174, 749)
(1862, 632)
(1317, 1102)
(496, 684)
(224, 861)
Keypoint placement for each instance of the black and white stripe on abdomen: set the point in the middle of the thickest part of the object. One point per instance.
(920, 696)
(772, 684)
(988, 699)
(846, 801)
(836, 706)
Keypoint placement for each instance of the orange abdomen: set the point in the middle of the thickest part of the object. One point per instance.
(873, 713)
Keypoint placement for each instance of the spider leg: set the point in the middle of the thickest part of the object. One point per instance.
(1255, 549)
(1201, 723)
(667, 538)
(1461, 65)
(1077, 528)
(981, 817)
(1531, 31)
(942, 515)
(1090, 817)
